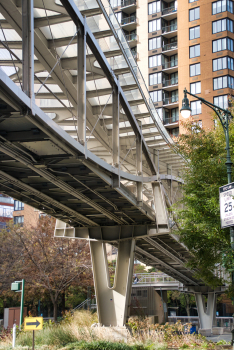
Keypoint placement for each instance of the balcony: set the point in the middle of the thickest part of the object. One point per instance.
(170, 84)
(170, 49)
(168, 10)
(131, 39)
(135, 55)
(128, 6)
(129, 22)
(171, 66)
(171, 120)
(169, 31)
(171, 101)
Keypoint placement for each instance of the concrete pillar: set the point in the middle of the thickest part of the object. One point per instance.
(112, 302)
(206, 314)
(161, 306)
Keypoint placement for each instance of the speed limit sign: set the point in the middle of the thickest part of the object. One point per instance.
(226, 202)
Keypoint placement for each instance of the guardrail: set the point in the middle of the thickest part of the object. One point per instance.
(170, 64)
(131, 37)
(170, 82)
(7, 200)
(169, 100)
(226, 322)
(170, 120)
(171, 46)
(125, 3)
(168, 10)
(149, 278)
(127, 20)
(169, 28)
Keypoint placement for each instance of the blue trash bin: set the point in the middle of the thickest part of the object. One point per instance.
(193, 329)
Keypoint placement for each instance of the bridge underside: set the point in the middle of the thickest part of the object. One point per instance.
(88, 147)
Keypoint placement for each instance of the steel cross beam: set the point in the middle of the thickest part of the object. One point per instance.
(79, 21)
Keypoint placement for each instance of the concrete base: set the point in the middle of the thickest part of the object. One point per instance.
(205, 332)
(221, 330)
(153, 319)
(114, 334)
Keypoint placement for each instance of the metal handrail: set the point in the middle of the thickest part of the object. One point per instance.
(125, 3)
(167, 65)
(169, 10)
(149, 278)
(170, 82)
(127, 20)
(131, 37)
(168, 100)
(169, 28)
(170, 46)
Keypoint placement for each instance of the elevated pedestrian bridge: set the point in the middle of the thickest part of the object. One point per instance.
(80, 140)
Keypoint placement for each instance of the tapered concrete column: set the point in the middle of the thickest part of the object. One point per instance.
(112, 302)
(206, 315)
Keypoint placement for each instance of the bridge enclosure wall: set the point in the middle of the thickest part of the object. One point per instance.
(146, 301)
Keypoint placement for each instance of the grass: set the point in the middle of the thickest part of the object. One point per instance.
(75, 333)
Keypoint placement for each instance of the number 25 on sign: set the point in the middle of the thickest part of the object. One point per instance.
(226, 202)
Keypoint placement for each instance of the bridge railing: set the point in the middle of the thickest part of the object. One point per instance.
(226, 322)
(150, 278)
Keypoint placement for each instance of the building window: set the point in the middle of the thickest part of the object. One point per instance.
(18, 205)
(195, 88)
(145, 293)
(139, 293)
(222, 25)
(119, 16)
(194, 51)
(155, 61)
(195, 107)
(174, 96)
(154, 25)
(192, 0)
(155, 43)
(160, 113)
(175, 115)
(221, 101)
(222, 6)
(18, 220)
(156, 96)
(222, 44)
(194, 14)
(223, 63)
(154, 7)
(194, 33)
(195, 69)
(223, 82)
(175, 132)
(155, 78)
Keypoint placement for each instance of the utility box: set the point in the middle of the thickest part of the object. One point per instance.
(12, 315)
(15, 286)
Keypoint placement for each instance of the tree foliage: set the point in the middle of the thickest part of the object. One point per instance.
(49, 265)
(197, 213)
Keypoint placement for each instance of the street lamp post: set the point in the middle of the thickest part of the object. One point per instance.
(224, 116)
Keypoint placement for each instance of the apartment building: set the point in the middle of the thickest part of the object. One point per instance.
(181, 44)
(6, 209)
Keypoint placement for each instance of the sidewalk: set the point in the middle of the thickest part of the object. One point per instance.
(216, 338)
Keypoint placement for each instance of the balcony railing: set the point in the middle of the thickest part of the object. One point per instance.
(170, 64)
(131, 37)
(127, 20)
(171, 46)
(170, 120)
(169, 100)
(170, 82)
(125, 3)
(169, 28)
(168, 10)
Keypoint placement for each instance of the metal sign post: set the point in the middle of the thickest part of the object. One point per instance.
(226, 202)
(33, 324)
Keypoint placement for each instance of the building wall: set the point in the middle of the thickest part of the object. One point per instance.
(30, 215)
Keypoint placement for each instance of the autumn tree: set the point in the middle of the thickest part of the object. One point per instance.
(48, 264)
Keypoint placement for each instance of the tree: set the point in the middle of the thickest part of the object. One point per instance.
(48, 265)
(197, 214)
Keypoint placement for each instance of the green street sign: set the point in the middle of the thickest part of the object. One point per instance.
(15, 286)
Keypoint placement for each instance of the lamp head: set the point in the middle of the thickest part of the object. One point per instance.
(185, 110)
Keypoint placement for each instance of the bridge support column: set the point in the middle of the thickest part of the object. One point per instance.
(112, 302)
(206, 315)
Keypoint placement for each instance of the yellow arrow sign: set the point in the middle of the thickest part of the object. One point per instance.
(33, 323)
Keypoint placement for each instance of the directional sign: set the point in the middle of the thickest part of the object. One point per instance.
(33, 323)
(226, 202)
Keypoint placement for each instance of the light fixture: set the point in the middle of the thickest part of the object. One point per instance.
(185, 110)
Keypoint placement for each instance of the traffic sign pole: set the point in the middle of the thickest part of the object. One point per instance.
(22, 304)
(33, 341)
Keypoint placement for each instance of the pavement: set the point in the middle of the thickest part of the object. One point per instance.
(216, 338)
